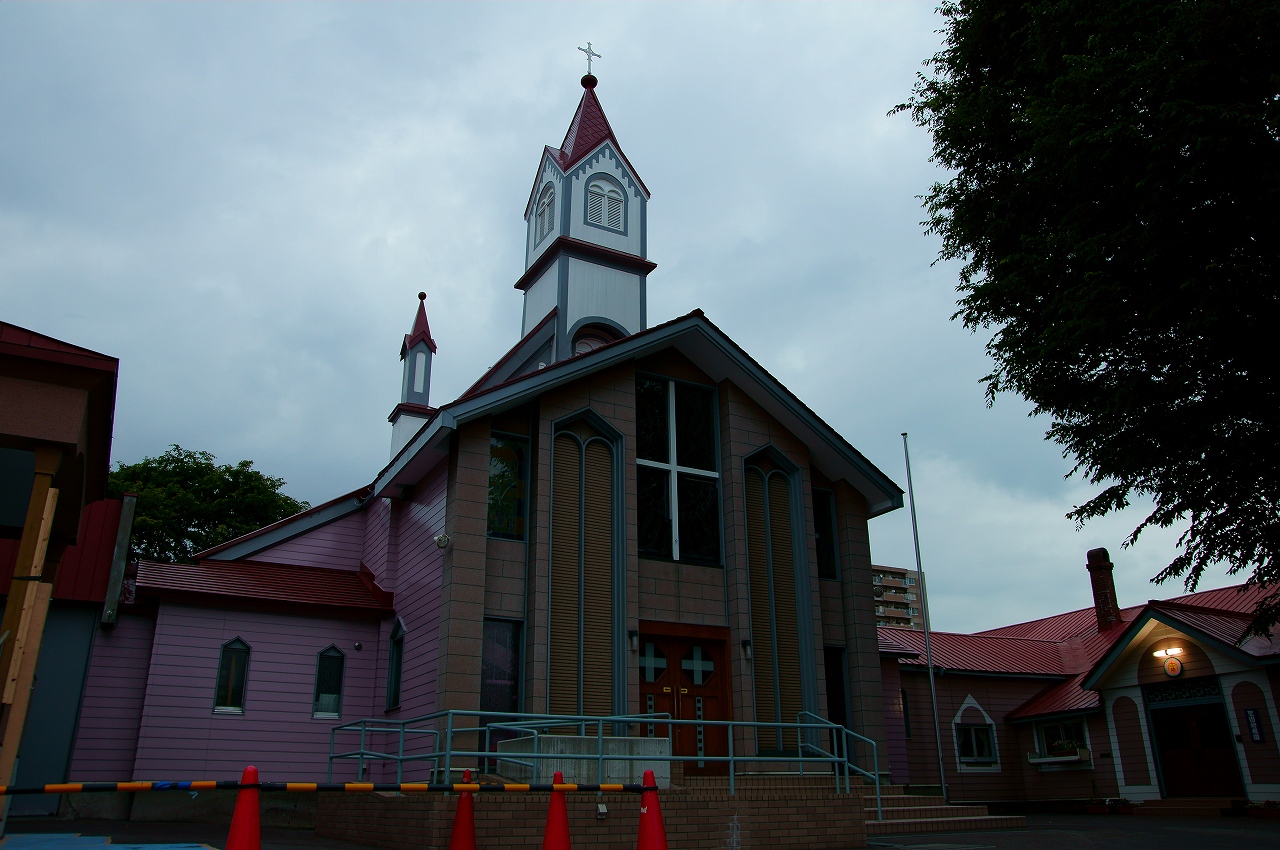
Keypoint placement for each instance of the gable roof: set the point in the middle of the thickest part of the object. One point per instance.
(710, 349)
(1082, 652)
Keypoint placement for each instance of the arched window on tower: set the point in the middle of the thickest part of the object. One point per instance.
(546, 214)
(591, 337)
(605, 205)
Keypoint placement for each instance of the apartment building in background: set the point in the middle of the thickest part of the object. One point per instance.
(897, 597)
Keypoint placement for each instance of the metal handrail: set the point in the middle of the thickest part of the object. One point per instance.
(443, 745)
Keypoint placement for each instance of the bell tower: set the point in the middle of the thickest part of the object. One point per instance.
(586, 244)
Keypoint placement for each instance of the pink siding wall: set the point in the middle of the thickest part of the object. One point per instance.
(419, 564)
(111, 710)
(338, 545)
(894, 723)
(376, 552)
(181, 737)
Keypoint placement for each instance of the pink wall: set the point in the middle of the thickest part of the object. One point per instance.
(419, 569)
(894, 722)
(338, 545)
(111, 710)
(376, 552)
(182, 738)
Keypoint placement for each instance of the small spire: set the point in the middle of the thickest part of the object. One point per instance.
(421, 331)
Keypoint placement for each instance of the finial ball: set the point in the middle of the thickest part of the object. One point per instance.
(422, 296)
(589, 81)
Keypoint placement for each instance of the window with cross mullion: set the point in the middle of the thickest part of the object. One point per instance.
(677, 474)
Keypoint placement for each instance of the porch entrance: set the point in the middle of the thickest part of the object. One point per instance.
(1195, 751)
(683, 672)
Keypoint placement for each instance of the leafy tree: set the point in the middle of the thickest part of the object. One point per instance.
(187, 503)
(1115, 200)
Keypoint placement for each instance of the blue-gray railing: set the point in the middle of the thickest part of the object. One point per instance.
(433, 739)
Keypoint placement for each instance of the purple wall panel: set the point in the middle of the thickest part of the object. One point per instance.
(338, 545)
(111, 710)
(181, 737)
(377, 541)
(419, 566)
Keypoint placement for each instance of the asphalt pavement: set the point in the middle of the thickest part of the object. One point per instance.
(1101, 832)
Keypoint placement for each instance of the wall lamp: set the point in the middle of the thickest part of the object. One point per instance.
(746, 649)
(1168, 653)
(442, 541)
(633, 640)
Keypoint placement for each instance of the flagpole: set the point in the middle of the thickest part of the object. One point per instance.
(924, 605)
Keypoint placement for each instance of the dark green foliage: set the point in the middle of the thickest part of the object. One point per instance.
(187, 503)
(1116, 203)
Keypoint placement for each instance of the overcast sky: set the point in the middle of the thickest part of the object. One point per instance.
(242, 201)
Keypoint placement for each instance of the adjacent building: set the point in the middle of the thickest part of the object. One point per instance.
(1170, 699)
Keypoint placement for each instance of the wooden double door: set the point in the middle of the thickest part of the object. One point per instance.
(684, 674)
(1196, 752)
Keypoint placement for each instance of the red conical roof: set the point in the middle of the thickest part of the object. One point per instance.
(587, 130)
(421, 330)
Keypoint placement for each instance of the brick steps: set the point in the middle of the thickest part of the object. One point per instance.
(944, 824)
(927, 812)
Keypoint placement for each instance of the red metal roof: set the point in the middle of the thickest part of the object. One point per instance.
(587, 130)
(264, 582)
(421, 331)
(37, 346)
(1057, 699)
(889, 646)
(86, 566)
(980, 653)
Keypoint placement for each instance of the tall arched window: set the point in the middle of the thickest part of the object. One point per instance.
(605, 205)
(546, 214)
(329, 669)
(233, 668)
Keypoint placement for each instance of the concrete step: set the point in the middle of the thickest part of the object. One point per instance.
(927, 812)
(909, 826)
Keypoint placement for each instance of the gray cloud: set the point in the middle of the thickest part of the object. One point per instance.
(240, 201)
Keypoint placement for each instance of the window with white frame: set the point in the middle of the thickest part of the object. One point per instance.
(677, 473)
(546, 214)
(605, 205)
(233, 671)
(1061, 737)
(975, 743)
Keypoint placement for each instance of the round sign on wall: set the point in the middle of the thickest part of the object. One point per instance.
(1172, 666)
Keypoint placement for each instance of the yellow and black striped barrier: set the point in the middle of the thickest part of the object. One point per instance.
(313, 787)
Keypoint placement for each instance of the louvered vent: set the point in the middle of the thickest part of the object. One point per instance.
(597, 581)
(566, 524)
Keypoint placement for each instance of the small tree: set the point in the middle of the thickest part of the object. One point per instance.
(187, 503)
(1115, 200)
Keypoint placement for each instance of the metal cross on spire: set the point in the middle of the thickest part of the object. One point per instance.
(591, 54)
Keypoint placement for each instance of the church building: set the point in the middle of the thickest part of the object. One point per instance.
(618, 517)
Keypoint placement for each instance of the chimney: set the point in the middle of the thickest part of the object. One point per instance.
(1104, 589)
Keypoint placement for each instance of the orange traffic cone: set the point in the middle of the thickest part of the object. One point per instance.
(246, 832)
(653, 835)
(464, 820)
(556, 835)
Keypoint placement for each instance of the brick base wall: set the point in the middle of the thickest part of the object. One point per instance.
(695, 819)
